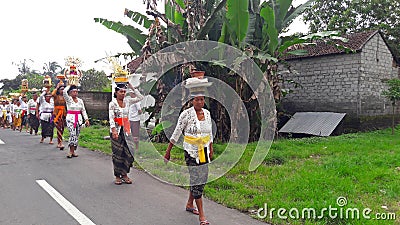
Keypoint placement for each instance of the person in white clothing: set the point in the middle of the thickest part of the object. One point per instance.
(46, 112)
(32, 118)
(120, 131)
(75, 111)
(195, 124)
(134, 119)
(17, 111)
(24, 106)
(5, 114)
(12, 104)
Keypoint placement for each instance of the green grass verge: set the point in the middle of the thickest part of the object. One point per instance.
(305, 173)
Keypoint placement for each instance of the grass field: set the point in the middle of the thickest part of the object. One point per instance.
(350, 173)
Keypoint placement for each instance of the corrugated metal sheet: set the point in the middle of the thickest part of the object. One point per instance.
(314, 123)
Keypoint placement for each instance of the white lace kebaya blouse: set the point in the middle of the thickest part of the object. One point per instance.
(46, 109)
(115, 111)
(191, 126)
(75, 110)
(32, 104)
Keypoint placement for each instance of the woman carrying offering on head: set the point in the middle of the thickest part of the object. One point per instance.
(46, 111)
(76, 117)
(122, 158)
(195, 123)
(32, 119)
(59, 113)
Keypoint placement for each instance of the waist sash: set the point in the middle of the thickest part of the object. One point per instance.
(76, 113)
(51, 117)
(200, 142)
(124, 122)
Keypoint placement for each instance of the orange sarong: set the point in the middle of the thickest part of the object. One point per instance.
(60, 112)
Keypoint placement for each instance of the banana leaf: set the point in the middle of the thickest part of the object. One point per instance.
(281, 12)
(238, 17)
(173, 14)
(161, 126)
(269, 29)
(295, 12)
(287, 44)
(139, 18)
(136, 38)
(210, 21)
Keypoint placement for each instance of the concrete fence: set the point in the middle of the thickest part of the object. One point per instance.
(96, 104)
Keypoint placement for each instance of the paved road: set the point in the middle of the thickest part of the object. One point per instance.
(85, 185)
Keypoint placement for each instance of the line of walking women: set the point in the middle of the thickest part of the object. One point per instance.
(63, 107)
(59, 108)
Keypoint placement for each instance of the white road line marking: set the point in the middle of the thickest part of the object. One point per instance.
(1, 142)
(71, 209)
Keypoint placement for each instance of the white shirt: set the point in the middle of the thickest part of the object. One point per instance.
(191, 126)
(32, 104)
(11, 108)
(115, 111)
(24, 105)
(46, 109)
(17, 110)
(74, 106)
(4, 109)
(134, 112)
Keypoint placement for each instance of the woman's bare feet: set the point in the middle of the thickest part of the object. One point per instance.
(126, 179)
(118, 181)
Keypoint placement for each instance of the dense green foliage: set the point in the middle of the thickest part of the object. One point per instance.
(350, 16)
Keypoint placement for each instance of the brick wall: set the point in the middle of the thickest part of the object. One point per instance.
(328, 83)
(346, 83)
(376, 67)
(96, 103)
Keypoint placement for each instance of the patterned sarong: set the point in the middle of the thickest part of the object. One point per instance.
(60, 125)
(74, 132)
(33, 122)
(121, 156)
(198, 176)
(47, 128)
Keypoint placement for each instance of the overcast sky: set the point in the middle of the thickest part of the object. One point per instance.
(50, 30)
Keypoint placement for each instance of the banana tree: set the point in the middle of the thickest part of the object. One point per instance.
(186, 21)
(250, 25)
(136, 37)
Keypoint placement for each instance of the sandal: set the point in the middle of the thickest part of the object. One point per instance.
(192, 210)
(204, 222)
(118, 181)
(127, 180)
(69, 156)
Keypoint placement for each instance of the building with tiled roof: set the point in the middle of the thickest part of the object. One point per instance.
(356, 42)
(328, 79)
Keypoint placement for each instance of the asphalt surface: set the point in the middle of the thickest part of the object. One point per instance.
(86, 182)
